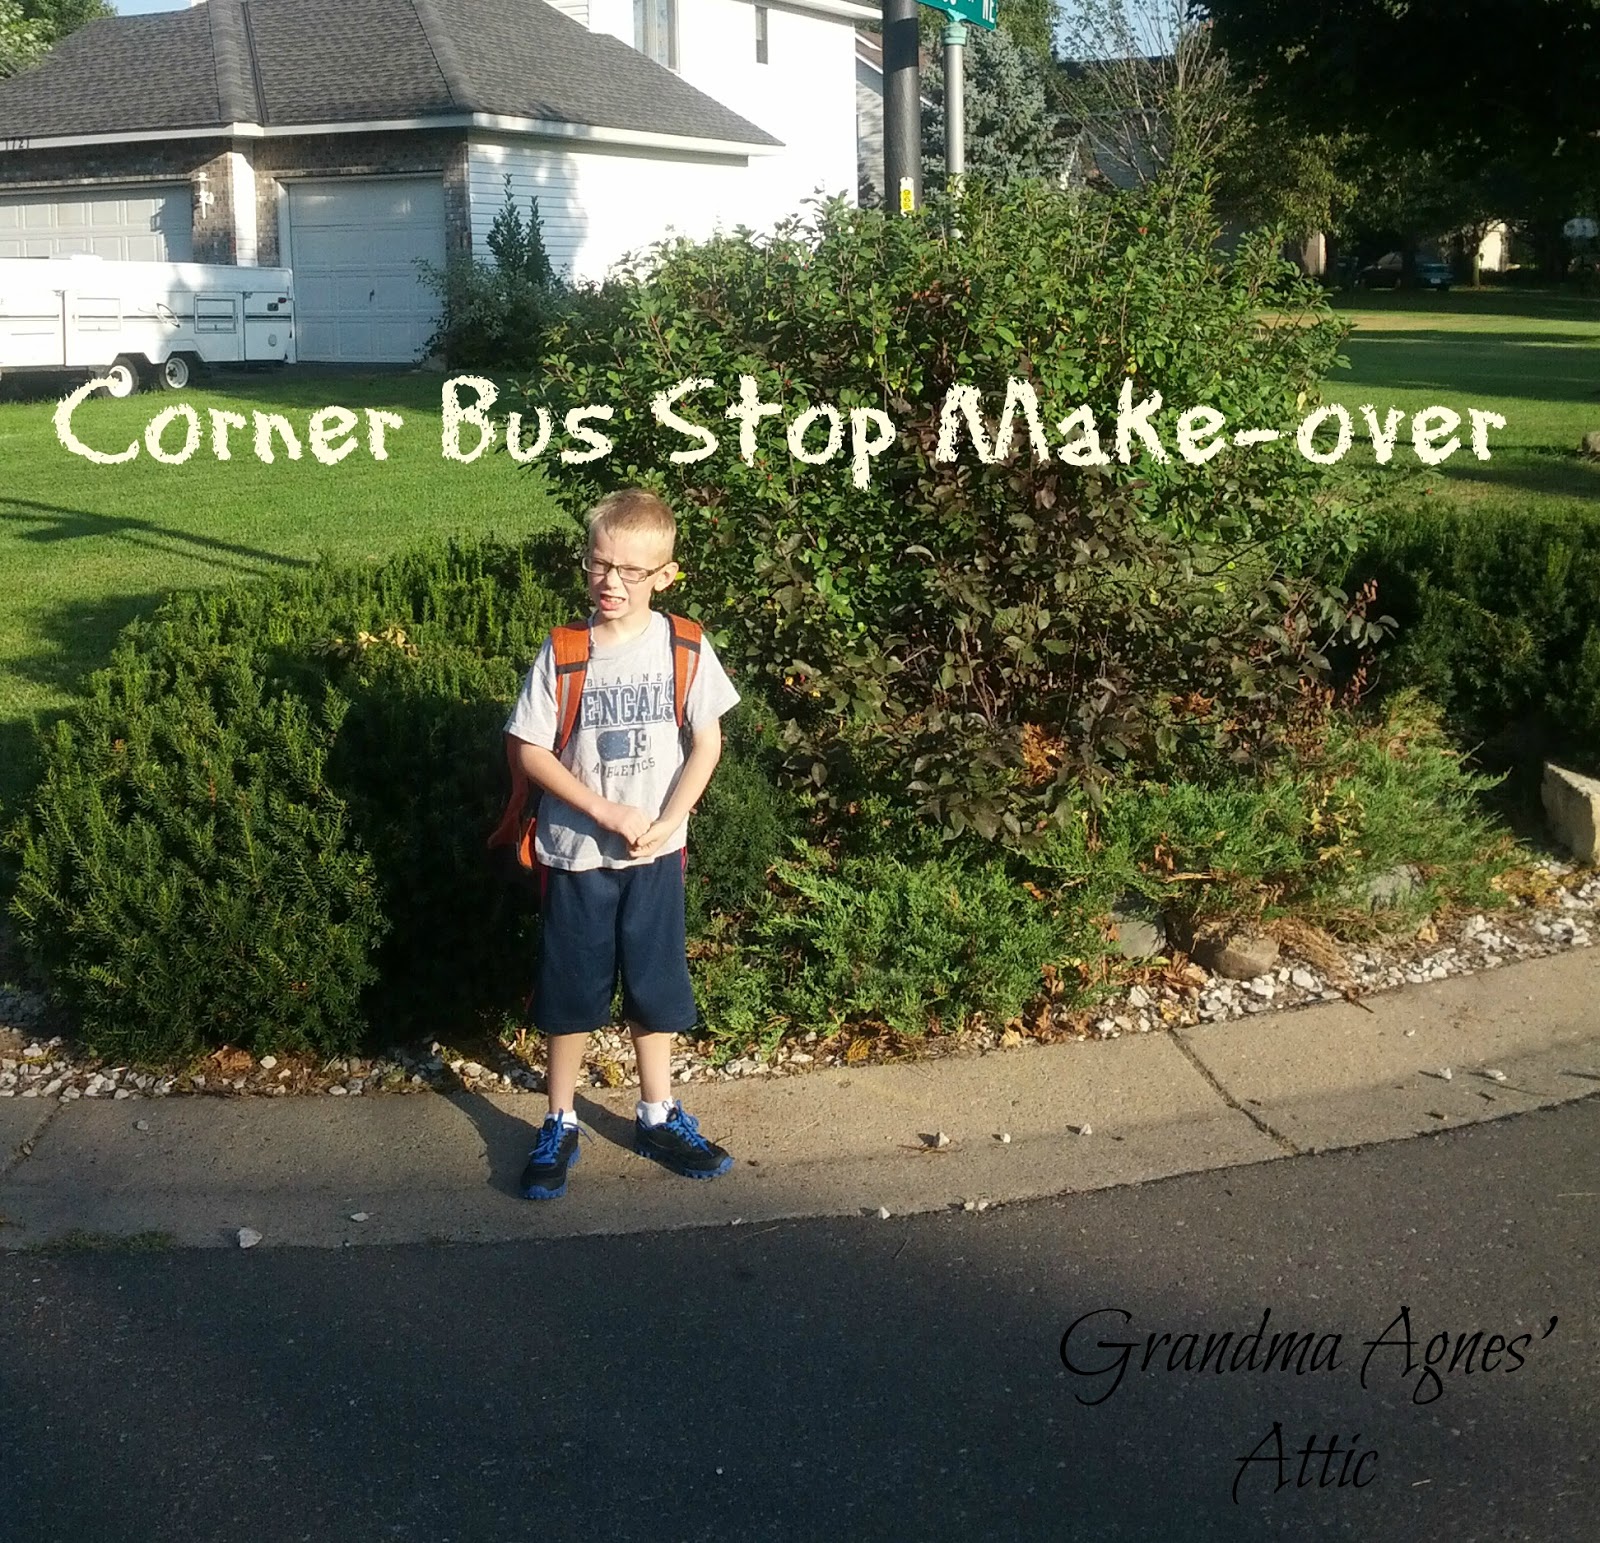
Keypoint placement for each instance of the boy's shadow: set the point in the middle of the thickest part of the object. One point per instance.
(508, 1136)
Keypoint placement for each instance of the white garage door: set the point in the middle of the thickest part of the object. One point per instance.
(135, 224)
(354, 245)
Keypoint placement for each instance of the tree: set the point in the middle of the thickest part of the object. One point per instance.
(21, 42)
(518, 247)
(29, 29)
(1275, 173)
(1463, 79)
(57, 19)
(1011, 131)
(1029, 23)
(1146, 92)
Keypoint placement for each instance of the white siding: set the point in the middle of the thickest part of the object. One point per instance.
(616, 18)
(595, 207)
(578, 10)
(869, 124)
(805, 95)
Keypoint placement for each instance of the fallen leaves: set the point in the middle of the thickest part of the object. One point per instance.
(232, 1062)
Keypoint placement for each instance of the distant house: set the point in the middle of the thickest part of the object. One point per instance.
(350, 138)
(869, 113)
(869, 110)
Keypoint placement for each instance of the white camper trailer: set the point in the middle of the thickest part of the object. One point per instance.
(133, 321)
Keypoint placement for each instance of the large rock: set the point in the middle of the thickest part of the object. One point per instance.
(1393, 885)
(1591, 442)
(1572, 806)
(1137, 928)
(1237, 955)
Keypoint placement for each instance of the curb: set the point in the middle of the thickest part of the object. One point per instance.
(836, 1142)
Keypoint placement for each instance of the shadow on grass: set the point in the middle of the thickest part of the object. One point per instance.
(20, 765)
(46, 524)
(1530, 305)
(1492, 365)
(296, 387)
(1548, 473)
(308, 387)
(66, 643)
(75, 637)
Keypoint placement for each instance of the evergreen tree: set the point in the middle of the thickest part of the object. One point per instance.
(518, 248)
(1011, 131)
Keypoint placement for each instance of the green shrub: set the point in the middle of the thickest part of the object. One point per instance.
(744, 821)
(186, 874)
(355, 714)
(1499, 621)
(1366, 794)
(981, 640)
(882, 940)
(494, 310)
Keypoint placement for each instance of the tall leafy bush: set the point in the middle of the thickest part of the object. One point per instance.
(985, 638)
(494, 310)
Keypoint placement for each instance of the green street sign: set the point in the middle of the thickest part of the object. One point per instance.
(981, 13)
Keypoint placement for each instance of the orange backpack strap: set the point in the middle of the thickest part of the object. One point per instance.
(570, 644)
(686, 637)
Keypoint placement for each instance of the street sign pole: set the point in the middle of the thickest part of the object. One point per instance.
(977, 13)
(902, 108)
(955, 103)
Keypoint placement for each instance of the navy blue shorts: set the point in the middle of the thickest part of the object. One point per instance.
(606, 922)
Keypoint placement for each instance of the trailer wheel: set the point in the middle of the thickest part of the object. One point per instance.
(176, 373)
(122, 379)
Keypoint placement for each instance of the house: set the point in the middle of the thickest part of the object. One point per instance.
(350, 139)
(869, 113)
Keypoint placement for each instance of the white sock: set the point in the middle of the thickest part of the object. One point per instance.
(653, 1114)
(568, 1118)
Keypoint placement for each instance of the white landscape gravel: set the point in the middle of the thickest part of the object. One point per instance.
(1567, 918)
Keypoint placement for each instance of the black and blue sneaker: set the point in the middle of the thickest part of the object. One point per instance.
(677, 1144)
(545, 1177)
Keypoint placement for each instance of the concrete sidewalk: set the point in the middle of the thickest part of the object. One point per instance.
(835, 1142)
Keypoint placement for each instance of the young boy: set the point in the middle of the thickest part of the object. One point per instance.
(611, 835)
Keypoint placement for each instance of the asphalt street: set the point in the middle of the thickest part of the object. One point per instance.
(855, 1378)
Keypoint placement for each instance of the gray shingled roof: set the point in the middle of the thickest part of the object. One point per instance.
(285, 62)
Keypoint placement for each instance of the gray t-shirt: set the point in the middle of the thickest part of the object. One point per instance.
(626, 745)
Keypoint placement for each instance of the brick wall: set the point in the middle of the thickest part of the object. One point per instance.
(214, 238)
(174, 161)
(418, 151)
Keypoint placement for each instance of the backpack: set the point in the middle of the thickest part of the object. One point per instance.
(511, 843)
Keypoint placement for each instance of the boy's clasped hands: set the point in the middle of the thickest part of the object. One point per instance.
(642, 834)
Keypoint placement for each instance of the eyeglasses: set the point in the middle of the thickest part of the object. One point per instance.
(624, 571)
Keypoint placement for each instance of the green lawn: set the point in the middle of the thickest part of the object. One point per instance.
(1532, 358)
(84, 548)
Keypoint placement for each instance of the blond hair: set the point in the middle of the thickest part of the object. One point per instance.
(634, 511)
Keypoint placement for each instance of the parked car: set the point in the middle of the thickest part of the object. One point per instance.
(1389, 273)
